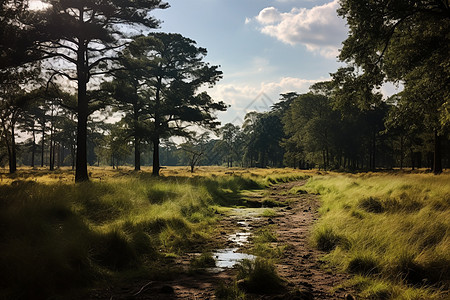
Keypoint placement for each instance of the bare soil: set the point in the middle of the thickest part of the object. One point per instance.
(300, 266)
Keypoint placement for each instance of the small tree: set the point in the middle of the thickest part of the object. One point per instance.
(195, 149)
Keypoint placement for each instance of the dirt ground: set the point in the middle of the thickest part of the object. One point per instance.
(300, 265)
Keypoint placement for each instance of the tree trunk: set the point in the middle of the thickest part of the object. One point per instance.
(33, 147)
(11, 147)
(401, 153)
(81, 173)
(55, 146)
(137, 153)
(374, 151)
(137, 142)
(437, 158)
(156, 157)
(51, 150)
(324, 160)
(155, 141)
(43, 144)
(72, 154)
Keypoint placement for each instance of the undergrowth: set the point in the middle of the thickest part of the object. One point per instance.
(392, 231)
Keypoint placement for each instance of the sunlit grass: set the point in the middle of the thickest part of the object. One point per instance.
(57, 235)
(392, 228)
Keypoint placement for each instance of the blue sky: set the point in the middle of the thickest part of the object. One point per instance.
(264, 47)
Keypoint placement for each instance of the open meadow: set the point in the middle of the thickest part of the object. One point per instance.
(390, 231)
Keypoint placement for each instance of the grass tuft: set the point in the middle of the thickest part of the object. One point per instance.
(363, 263)
(371, 204)
(258, 276)
(326, 239)
(204, 260)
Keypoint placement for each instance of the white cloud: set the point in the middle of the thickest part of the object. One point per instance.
(269, 15)
(319, 29)
(244, 98)
(288, 84)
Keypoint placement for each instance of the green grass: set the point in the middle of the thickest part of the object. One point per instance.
(391, 230)
(259, 276)
(268, 213)
(199, 263)
(58, 237)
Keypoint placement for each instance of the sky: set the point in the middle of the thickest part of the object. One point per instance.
(264, 48)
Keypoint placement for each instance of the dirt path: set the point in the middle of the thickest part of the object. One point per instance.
(300, 265)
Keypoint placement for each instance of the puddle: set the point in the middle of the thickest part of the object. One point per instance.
(229, 257)
(239, 238)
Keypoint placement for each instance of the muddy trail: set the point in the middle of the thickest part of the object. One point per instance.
(305, 276)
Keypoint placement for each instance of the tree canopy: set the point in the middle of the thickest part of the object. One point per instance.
(408, 42)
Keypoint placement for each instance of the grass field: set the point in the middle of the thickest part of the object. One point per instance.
(57, 236)
(391, 230)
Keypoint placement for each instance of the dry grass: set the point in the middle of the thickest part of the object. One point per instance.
(392, 229)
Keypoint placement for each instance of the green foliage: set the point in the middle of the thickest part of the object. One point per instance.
(263, 244)
(406, 42)
(263, 132)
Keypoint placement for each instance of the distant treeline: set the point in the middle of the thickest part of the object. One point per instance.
(300, 131)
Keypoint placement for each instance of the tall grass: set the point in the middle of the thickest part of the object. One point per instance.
(393, 230)
(56, 236)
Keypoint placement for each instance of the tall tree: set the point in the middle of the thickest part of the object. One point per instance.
(405, 41)
(174, 72)
(82, 38)
(132, 95)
